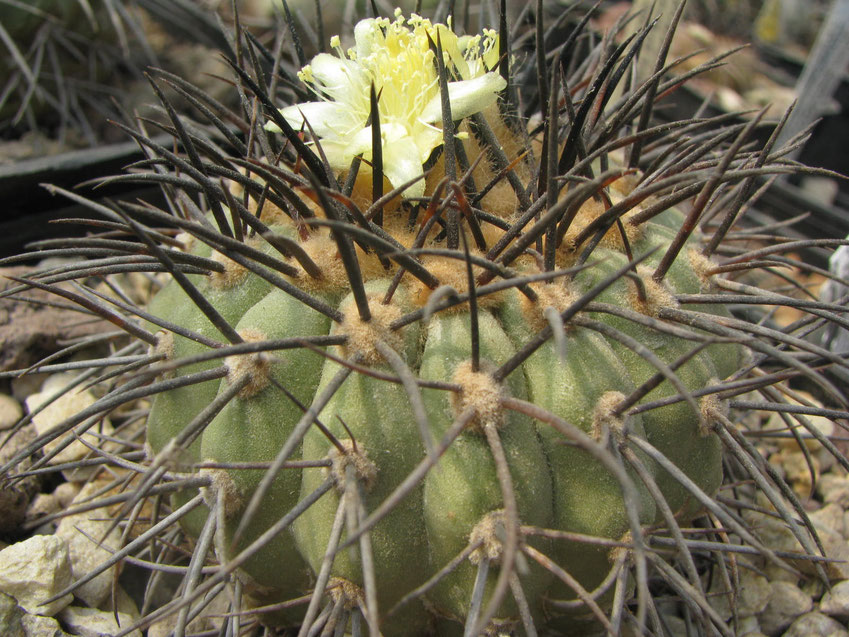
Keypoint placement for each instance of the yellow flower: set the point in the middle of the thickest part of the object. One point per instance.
(397, 58)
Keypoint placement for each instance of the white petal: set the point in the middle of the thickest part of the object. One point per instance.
(367, 37)
(402, 162)
(427, 138)
(361, 141)
(467, 97)
(335, 74)
(271, 126)
(337, 154)
(327, 119)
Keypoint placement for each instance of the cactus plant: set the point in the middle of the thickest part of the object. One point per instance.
(432, 354)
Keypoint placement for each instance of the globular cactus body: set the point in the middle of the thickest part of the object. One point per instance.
(554, 484)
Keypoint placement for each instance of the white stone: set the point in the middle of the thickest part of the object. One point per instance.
(829, 517)
(786, 603)
(82, 532)
(816, 625)
(10, 411)
(123, 602)
(38, 626)
(65, 493)
(752, 596)
(835, 602)
(90, 622)
(34, 570)
(59, 410)
(822, 424)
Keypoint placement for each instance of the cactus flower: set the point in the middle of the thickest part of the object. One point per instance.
(396, 57)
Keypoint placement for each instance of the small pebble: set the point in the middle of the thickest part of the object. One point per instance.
(38, 626)
(822, 424)
(65, 493)
(813, 587)
(82, 532)
(123, 602)
(752, 597)
(829, 517)
(834, 488)
(816, 625)
(35, 570)
(15, 498)
(57, 411)
(43, 504)
(796, 470)
(674, 625)
(835, 603)
(748, 626)
(10, 412)
(837, 549)
(90, 622)
(786, 603)
(23, 386)
(10, 617)
(219, 606)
